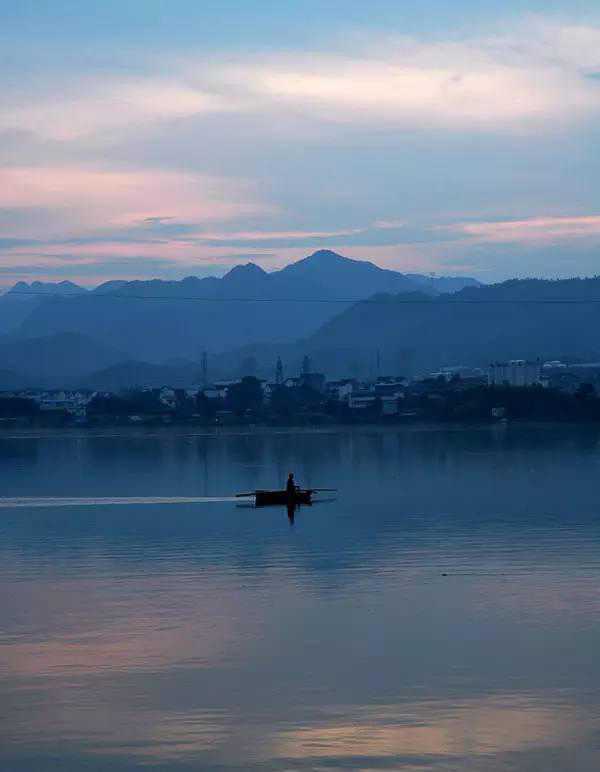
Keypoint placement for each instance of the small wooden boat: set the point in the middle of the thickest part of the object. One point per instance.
(271, 498)
(264, 498)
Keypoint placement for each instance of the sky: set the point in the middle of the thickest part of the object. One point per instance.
(145, 138)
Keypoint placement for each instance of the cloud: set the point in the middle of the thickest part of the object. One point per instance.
(366, 147)
(277, 235)
(100, 105)
(572, 45)
(533, 230)
(82, 197)
(389, 224)
(491, 83)
(541, 69)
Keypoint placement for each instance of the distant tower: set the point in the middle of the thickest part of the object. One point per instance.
(378, 373)
(204, 369)
(279, 372)
(306, 365)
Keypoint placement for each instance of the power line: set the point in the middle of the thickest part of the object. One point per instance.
(393, 300)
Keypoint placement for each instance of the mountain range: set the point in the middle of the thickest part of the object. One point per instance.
(157, 320)
(516, 319)
(345, 314)
(57, 359)
(19, 302)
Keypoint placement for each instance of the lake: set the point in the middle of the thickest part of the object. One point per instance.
(441, 613)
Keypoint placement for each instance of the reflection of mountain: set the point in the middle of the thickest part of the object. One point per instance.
(156, 320)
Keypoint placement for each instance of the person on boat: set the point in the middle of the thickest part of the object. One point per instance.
(291, 486)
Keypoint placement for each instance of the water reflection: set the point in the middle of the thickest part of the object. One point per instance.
(441, 614)
(291, 512)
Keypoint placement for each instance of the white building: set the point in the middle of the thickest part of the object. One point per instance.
(361, 402)
(341, 390)
(515, 372)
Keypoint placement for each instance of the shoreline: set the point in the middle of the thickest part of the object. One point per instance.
(241, 430)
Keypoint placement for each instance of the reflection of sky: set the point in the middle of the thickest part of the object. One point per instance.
(212, 635)
(137, 142)
(175, 667)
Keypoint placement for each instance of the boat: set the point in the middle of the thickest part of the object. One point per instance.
(271, 498)
(263, 498)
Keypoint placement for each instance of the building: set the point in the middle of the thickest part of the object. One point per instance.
(515, 372)
(341, 390)
(219, 389)
(389, 387)
(390, 405)
(314, 381)
(570, 378)
(59, 400)
(361, 401)
(461, 372)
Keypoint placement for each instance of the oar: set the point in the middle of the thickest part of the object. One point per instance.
(243, 495)
(323, 490)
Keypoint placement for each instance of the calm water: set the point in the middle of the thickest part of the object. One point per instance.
(442, 614)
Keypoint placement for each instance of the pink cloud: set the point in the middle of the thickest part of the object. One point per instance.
(274, 235)
(84, 197)
(532, 230)
(490, 83)
(87, 106)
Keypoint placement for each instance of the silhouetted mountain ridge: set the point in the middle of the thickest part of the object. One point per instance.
(520, 318)
(131, 374)
(55, 359)
(20, 300)
(47, 288)
(155, 320)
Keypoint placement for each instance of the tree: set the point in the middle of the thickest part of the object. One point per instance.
(244, 396)
(585, 391)
(17, 407)
(129, 403)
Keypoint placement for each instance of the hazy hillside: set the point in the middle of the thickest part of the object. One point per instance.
(132, 374)
(515, 319)
(342, 277)
(11, 380)
(55, 359)
(441, 284)
(46, 288)
(157, 320)
(410, 332)
(18, 303)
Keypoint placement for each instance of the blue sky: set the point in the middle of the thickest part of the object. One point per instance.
(143, 139)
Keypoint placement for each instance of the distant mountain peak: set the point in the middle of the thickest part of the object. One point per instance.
(65, 287)
(110, 286)
(327, 258)
(326, 254)
(245, 270)
(19, 287)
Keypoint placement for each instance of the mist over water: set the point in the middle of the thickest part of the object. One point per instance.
(441, 614)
